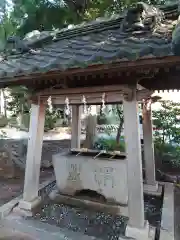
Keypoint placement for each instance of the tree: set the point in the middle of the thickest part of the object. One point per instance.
(7, 26)
(18, 103)
(167, 122)
(40, 15)
(6, 29)
(118, 112)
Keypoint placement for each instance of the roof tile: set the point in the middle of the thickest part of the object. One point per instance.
(98, 42)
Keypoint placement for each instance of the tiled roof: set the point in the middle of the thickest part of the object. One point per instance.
(98, 42)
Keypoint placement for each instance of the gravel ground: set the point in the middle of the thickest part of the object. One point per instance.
(91, 223)
(97, 224)
(153, 210)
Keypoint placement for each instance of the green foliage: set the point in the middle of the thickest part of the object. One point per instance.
(109, 145)
(101, 119)
(41, 15)
(31, 15)
(7, 26)
(100, 8)
(51, 118)
(167, 122)
(167, 133)
(118, 112)
(3, 121)
(169, 154)
(3, 134)
(18, 102)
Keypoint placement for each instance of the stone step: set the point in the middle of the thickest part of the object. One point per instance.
(45, 231)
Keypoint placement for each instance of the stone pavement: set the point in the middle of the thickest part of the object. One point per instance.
(7, 234)
(38, 230)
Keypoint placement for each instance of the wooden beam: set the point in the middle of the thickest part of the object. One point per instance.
(95, 98)
(85, 90)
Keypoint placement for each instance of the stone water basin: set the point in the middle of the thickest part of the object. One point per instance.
(101, 172)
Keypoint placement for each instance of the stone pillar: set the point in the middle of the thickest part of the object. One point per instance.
(134, 164)
(91, 122)
(33, 160)
(149, 149)
(76, 127)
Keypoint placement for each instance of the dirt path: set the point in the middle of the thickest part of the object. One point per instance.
(11, 188)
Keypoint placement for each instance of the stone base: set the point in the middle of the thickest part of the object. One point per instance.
(167, 230)
(25, 208)
(21, 212)
(145, 233)
(121, 210)
(153, 189)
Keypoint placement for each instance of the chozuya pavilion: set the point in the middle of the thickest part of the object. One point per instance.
(124, 59)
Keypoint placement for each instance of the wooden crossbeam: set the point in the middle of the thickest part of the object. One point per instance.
(95, 98)
(84, 90)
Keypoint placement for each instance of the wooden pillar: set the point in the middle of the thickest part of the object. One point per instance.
(149, 148)
(76, 127)
(134, 163)
(33, 160)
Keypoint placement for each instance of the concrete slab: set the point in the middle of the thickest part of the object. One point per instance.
(167, 220)
(146, 233)
(8, 207)
(153, 190)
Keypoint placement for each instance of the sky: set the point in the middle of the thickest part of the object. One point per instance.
(171, 95)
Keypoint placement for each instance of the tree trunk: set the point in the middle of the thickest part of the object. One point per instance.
(3, 103)
(21, 116)
(119, 130)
